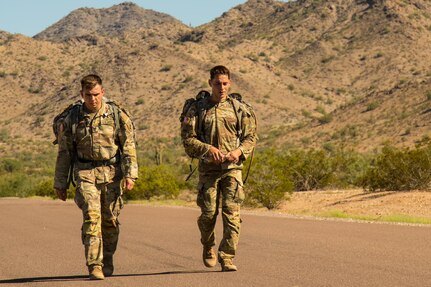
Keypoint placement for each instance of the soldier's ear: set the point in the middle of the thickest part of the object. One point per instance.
(209, 83)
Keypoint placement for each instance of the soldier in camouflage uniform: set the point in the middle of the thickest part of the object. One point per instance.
(104, 163)
(221, 144)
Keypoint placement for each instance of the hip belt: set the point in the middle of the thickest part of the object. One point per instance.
(89, 164)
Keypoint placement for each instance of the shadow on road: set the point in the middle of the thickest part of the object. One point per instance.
(85, 277)
(363, 197)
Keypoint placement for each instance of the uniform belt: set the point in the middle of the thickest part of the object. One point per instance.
(85, 163)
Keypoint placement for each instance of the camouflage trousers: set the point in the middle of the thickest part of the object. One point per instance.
(213, 187)
(100, 205)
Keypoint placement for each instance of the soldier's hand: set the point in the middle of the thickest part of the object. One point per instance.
(128, 184)
(61, 193)
(216, 155)
(234, 155)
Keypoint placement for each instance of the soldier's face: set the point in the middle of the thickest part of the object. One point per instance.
(220, 85)
(93, 98)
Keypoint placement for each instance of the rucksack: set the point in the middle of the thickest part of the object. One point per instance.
(198, 100)
(201, 110)
(75, 109)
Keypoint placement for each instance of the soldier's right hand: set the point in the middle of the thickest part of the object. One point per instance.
(61, 193)
(216, 155)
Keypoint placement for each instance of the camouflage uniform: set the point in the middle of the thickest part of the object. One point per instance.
(219, 129)
(104, 158)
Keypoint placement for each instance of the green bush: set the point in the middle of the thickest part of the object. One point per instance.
(372, 106)
(399, 169)
(267, 184)
(348, 167)
(155, 181)
(309, 170)
(139, 102)
(10, 165)
(325, 119)
(45, 188)
(15, 185)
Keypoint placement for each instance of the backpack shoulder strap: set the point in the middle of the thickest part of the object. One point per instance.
(119, 122)
(201, 111)
(74, 116)
(236, 104)
(116, 114)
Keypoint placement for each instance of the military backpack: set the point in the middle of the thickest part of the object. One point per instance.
(198, 100)
(74, 110)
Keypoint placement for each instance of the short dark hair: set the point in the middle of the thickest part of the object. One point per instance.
(90, 81)
(219, 70)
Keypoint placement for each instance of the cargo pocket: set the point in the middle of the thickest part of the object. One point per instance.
(79, 198)
(239, 193)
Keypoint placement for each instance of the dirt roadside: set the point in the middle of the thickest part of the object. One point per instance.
(357, 204)
(360, 203)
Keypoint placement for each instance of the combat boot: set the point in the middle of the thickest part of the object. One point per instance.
(96, 272)
(108, 266)
(209, 257)
(227, 265)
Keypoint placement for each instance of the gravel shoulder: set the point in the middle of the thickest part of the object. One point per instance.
(359, 203)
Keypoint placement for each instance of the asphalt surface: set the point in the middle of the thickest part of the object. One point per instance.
(159, 246)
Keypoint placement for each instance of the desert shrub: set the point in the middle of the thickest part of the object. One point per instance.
(188, 79)
(8, 165)
(399, 169)
(194, 36)
(348, 167)
(45, 187)
(139, 102)
(15, 185)
(155, 181)
(310, 169)
(166, 68)
(267, 185)
(4, 135)
(325, 118)
(372, 106)
(320, 109)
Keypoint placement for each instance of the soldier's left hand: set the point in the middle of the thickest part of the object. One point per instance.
(234, 155)
(128, 184)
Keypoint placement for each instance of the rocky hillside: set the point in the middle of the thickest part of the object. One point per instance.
(319, 73)
(111, 22)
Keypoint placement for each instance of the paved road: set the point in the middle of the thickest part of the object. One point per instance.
(159, 246)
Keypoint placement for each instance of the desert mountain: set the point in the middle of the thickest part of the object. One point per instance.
(112, 22)
(319, 73)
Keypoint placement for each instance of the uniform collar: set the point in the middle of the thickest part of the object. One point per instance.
(103, 110)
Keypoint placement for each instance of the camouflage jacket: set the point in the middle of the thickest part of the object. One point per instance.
(219, 129)
(95, 140)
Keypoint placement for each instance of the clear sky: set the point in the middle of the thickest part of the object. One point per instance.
(29, 17)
